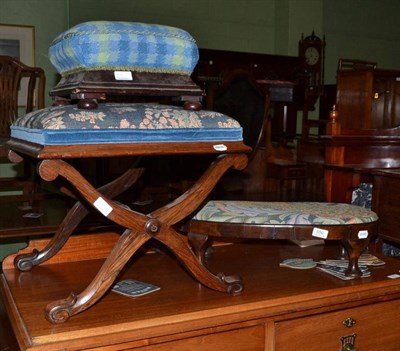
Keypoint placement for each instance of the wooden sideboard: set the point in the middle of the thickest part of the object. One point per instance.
(386, 202)
(368, 98)
(280, 309)
(352, 155)
(365, 134)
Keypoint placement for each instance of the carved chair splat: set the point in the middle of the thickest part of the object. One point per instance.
(13, 73)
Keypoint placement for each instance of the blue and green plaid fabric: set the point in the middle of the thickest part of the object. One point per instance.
(107, 45)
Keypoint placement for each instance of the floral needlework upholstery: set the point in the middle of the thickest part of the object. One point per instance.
(125, 46)
(124, 123)
(284, 213)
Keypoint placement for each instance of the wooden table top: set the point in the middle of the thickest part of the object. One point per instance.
(15, 220)
(182, 303)
(18, 219)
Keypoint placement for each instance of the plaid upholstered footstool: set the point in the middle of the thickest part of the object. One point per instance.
(99, 60)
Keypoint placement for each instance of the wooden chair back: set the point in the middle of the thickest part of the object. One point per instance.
(15, 75)
(240, 97)
(12, 74)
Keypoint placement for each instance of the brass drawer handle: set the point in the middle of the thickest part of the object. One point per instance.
(349, 322)
(349, 342)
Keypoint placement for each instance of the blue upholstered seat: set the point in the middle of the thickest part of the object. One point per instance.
(124, 123)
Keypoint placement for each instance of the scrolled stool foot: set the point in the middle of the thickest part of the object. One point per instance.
(25, 262)
(60, 311)
(234, 284)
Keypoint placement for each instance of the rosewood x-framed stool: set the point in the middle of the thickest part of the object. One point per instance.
(140, 227)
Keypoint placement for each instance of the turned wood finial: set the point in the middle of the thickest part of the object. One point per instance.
(333, 127)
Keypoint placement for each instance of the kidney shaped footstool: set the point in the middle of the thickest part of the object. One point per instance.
(352, 225)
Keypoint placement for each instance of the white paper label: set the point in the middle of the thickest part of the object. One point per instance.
(123, 75)
(320, 233)
(102, 206)
(220, 147)
(363, 234)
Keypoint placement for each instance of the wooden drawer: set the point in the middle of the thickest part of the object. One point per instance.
(377, 328)
(245, 339)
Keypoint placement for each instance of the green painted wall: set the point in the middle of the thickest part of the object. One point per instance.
(49, 17)
(247, 25)
(363, 29)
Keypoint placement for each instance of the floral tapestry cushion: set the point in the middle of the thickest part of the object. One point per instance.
(284, 213)
(124, 46)
(124, 123)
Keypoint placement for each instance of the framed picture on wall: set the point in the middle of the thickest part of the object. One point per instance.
(19, 42)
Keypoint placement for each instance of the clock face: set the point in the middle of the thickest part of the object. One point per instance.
(311, 55)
